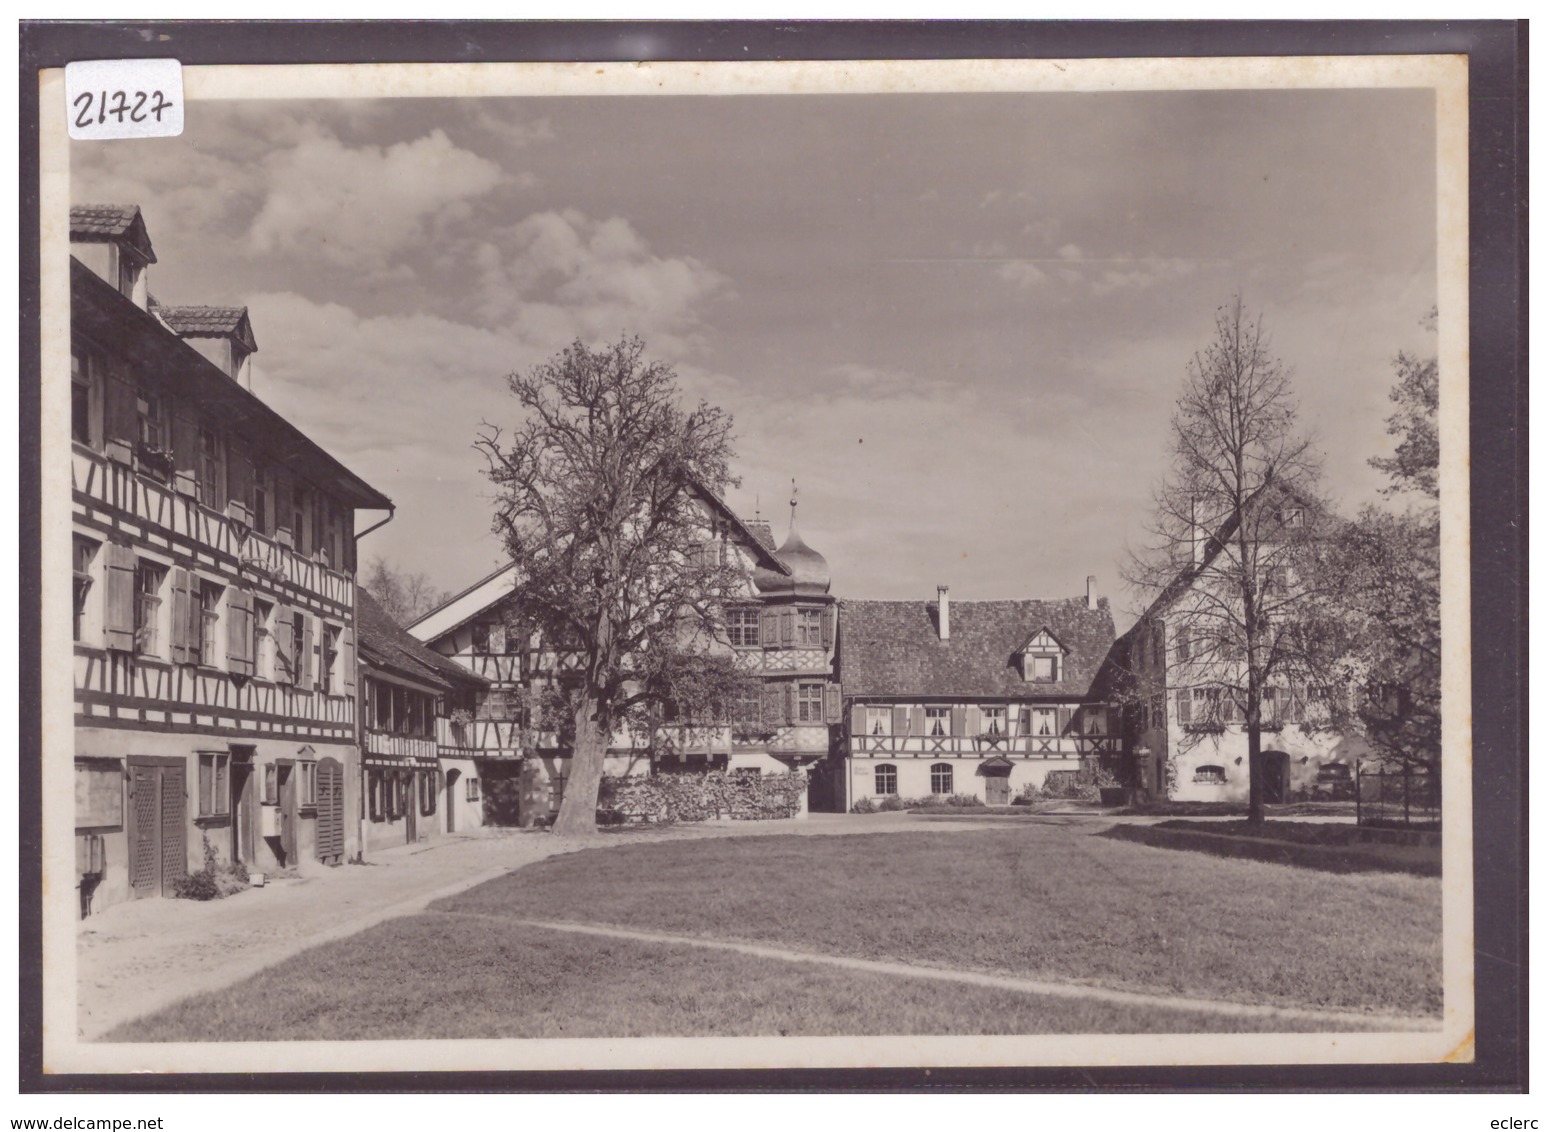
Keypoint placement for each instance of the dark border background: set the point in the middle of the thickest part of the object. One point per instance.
(1498, 287)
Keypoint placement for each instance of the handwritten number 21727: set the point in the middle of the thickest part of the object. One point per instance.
(119, 107)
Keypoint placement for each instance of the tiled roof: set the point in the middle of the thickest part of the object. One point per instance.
(93, 222)
(385, 644)
(892, 648)
(763, 532)
(203, 322)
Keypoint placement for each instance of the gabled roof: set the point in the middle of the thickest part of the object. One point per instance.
(892, 648)
(386, 645)
(762, 551)
(1038, 632)
(111, 223)
(209, 322)
(461, 608)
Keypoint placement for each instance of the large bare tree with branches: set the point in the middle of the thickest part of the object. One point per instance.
(1234, 565)
(601, 504)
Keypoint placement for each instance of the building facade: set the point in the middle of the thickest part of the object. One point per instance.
(214, 593)
(986, 698)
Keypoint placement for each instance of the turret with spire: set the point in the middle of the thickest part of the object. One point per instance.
(809, 574)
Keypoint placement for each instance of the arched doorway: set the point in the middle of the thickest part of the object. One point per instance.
(1276, 778)
(452, 777)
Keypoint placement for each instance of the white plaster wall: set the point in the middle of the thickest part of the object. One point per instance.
(1229, 750)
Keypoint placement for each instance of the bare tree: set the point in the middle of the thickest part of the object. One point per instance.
(406, 597)
(602, 506)
(1234, 567)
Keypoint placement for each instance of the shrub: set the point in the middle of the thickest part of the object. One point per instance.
(964, 800)
(892, 803)
(863, 806)
(214, 881)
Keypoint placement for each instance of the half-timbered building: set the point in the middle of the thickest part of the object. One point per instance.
(986, 698)
(214, 595)
(407, 694)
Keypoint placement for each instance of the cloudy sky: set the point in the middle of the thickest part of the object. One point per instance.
(959, 321)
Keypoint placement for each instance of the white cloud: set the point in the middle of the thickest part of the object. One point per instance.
(357, 207)
(1022, 272)
(1071, 252)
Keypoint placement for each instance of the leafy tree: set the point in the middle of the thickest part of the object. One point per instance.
(1234, 573)
(601, 506)
(1390, 569)
(406, 597)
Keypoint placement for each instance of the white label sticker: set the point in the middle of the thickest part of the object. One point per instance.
(124, 98)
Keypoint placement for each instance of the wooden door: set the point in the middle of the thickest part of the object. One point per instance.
(1276, 777)
(330, 811)
(997, 787)
(158, 837)
(285, 773)
(243, 846)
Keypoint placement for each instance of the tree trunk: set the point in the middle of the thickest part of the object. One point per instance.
(578, 807)
(1254, 773)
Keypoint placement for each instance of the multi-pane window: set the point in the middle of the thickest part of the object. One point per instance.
(1269, 707)
(85, 395)
(1211, 775)
(1184, 643)
(747, 709)
(1045, 723)
(429, 786)
(1045, 669)
(84, 550)
(326, 681)
(742, 626)
(148, 577)
(809, 702)
(1096, 720)
(937, 721)
(258, 499)
(214, 783)
(886, 779)
(208, 595)
(1184, 705)
(809, 627)
(940, 778)
(878, 721)
(308, 772)
(148, 411)
(211, 467)
(472, 789)
(994, 722)
(262, 641)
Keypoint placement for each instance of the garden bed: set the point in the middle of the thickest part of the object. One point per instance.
(1328, 847)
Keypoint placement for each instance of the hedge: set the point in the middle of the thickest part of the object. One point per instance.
(667, 798)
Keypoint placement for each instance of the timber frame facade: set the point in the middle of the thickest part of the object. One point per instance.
(213, 603)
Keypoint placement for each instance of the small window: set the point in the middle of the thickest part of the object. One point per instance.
(327, 681)
(1185, 705)
(148, 577)
(271, 784)
(308, 771)
(214, 784)
(1045, 669)
(258, 498)
(1184, 644)
(809, 702)
(809, 627)
(262, 650)
(481, 637)
(472, 792)
(742, 627)
(886, 779)
(211, 467)
(84, 553)
(86, 370)
(994, 723)
(429, 787)
(1210, 775)
(878, 721)
(937, 722)
(1095, 720)
(209, 623)
(1045, 724)
(940, 778)
(374, 794)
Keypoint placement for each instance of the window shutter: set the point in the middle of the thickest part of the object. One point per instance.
(182, 616)
(284, 645)
(185, 450)
(973, 721)
(787, 627)
(916, 718)
(304, 652)
(122, 421)
(857, 720)
(833, 703)
(900, 721)
(768, 627)
(347, 659)
(1065, 716)
(958, 720)
(239, 472)
(792, 707)
(773, 703)
(239, 632)
(829, 617)
(119, 598)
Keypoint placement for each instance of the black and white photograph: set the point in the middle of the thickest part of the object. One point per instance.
(755, 565)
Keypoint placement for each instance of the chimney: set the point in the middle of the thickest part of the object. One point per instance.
(943, 611)
(1091, 594)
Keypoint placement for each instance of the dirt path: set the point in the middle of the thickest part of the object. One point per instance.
(1338, 1019)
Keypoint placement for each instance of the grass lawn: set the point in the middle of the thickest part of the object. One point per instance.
(437, 976)
(1042, 901)
(1327, 847)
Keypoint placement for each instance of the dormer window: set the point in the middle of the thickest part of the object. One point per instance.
(1042, 659)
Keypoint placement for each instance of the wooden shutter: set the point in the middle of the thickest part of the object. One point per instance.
(239, 632)
(347, 659)
(185, 447)
(773, 703)
(900, 721)
(916, 718)
(239, 472)
(119, 598)
(787, 627)
(768, 627)
(284, 645)
(1065, 716)
(304, 652)
(121, 419)
(857, 720)
(973, 721)
(184, 610)
(829, 620)
(792, 702)
(958, 720)
(833, 704)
